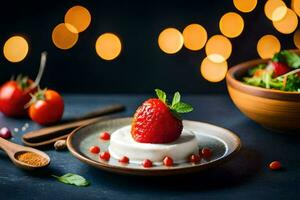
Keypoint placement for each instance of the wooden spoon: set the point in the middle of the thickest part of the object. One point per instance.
(12, 150)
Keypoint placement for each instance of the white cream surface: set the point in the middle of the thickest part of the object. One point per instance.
(122, 144)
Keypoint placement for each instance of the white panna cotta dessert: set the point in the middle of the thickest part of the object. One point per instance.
(122, 144)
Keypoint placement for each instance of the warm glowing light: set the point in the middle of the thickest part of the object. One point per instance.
(267, 46)
(231, 24)
(297, 39)
(295, 4)
(213, 72)
(63, 38)
(108, 46)
(288, 24)
(170, 40)
(218, 48)
(195, 37)
(275, 10)
(15, 49)
(79, 17)
(245, 5)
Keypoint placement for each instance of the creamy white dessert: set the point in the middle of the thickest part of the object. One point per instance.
(122, 144)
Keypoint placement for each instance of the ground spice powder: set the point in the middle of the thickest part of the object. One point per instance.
(31, 158)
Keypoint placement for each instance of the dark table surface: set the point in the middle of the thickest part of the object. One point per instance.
(246, 176)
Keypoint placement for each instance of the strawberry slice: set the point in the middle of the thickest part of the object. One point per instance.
(280, 68)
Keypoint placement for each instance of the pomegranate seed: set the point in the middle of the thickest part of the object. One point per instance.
(124, 159)
(194, 158)
(94, 149)
(275, 165)
(105, 156)
(147, 163)
(206, 153)
(105, 136)
(168, 161)
(5, 133)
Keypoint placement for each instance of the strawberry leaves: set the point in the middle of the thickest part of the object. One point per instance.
(161, 95)
(177, 107)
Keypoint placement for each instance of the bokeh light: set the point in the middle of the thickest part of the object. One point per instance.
(267, 46)
(170, 40)
(245, 5)
(296, 39)
(231, 24)
(288, 24)
(213, 72)
(218, 48)
(275, 10)
(295, 5)
(63, 38)
(79, 17)
(108, 46)
(15, 49)
(195, 37)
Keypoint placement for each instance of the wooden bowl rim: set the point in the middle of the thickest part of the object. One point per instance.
(232, 81)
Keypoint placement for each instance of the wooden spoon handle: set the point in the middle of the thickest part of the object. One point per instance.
(51, 132)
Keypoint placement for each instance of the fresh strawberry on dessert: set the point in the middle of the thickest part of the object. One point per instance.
(156, 121)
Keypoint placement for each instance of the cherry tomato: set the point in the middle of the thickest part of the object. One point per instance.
(206, 153)
(194, 158)
(47, 107)
(14, 95)
(104, 136)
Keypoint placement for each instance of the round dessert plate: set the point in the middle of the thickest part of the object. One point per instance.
(223, 143)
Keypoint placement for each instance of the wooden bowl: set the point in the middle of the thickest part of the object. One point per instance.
(273, 109)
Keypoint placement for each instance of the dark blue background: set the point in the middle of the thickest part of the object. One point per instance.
(141, 66)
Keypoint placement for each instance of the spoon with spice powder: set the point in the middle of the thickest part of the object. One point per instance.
(24, 157)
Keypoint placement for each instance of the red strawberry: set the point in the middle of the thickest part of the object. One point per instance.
(157, 122)
(280, 68)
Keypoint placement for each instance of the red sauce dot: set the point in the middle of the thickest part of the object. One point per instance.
(124, 160)
(275, 165)
(105, 136)
(147, 163)
(168, 161)
(194, 158)
(105, 156)
(206, 153)
(94, 149)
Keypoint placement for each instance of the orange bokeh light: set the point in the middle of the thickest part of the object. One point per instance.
(245, 5)
(170, 40)
(267, 46)
(79, 17)
(218, 48)
(296, 39)
(15, 49)
(275, 10)
(288, 24)
(63, 38)
(231, 24)
(213, 72)
(295, 5)
(195, 37)
(108, 46)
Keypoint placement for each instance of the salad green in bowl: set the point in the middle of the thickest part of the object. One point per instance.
(282, 72)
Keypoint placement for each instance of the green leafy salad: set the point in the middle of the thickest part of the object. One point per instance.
(281, 73)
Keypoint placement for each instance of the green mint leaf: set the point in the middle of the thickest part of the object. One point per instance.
(161, 95)
(181, 107)
(176, 99)
(72, 179)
